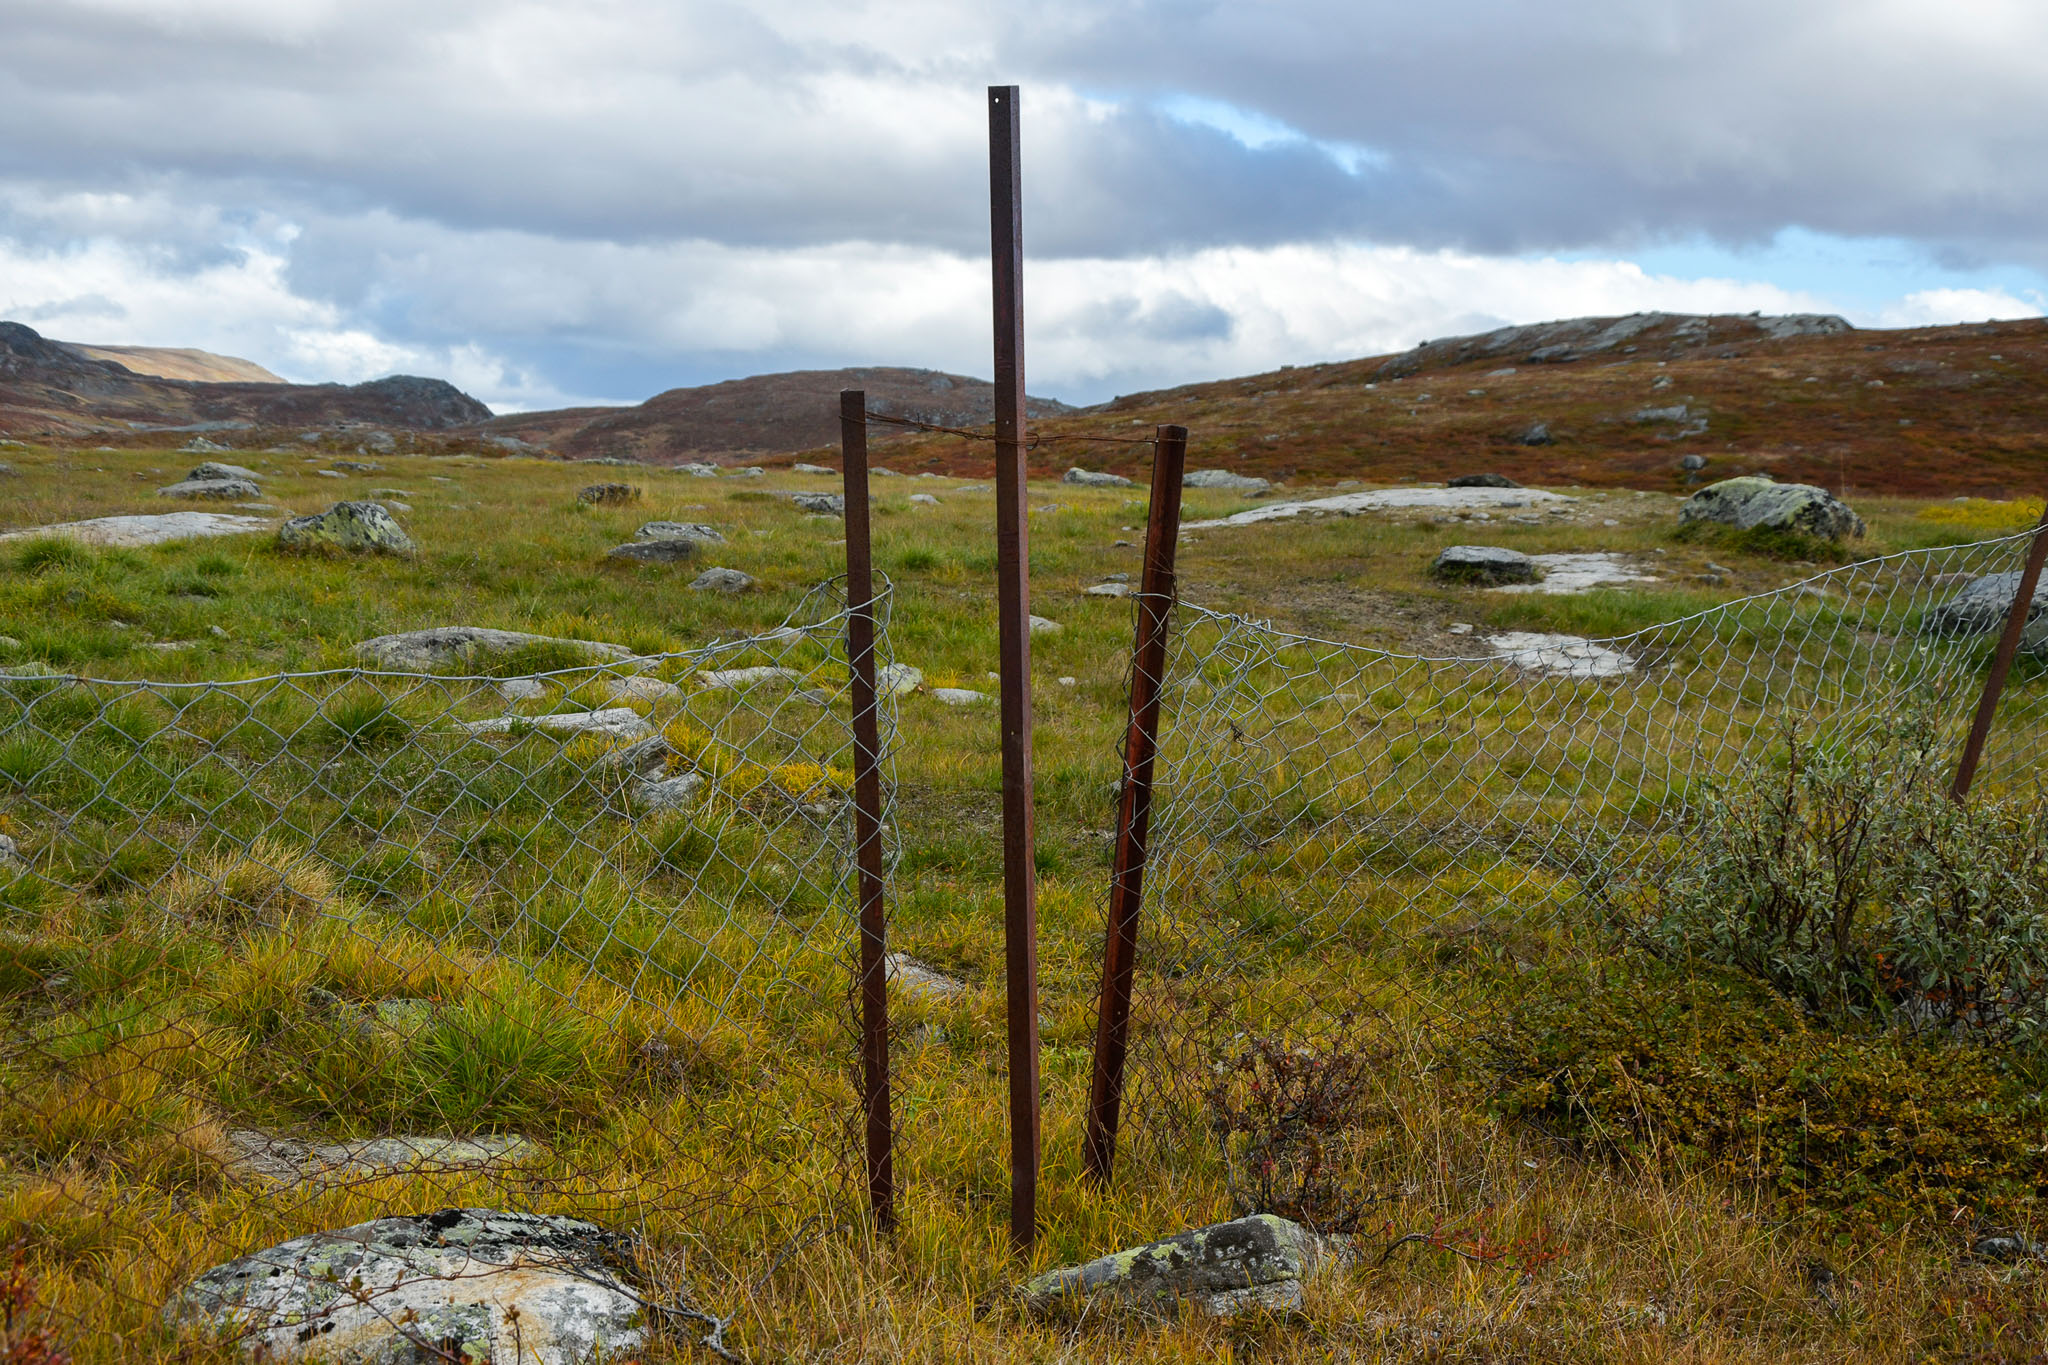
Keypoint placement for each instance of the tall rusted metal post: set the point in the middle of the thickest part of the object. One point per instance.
(1134, 804)
(1013, 600)
(2001, 662)
(867, 810)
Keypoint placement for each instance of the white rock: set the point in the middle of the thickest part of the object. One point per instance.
(617, 722)
(1390, 500)
(641, 689)
(1574, 573)
(1068, 682)
(668, 793)
(1043, 626)
(522, 689)
(920, 982)
(736, 679)
(1108, 590)
(158, 529)
(1567, 656)
(924, 499)
(10, 854)
(958, 696)
(801, 468)
(699, 470)
(897, 680)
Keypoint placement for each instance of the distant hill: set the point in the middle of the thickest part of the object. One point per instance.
(179, 362)
(766, 415)
(50, 389)
(1927, 411)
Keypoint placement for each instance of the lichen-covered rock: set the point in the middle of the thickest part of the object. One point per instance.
(214, 470)
(224, 490)
(363, 527)
(1088, 478)
(677, 551)
(827, 504)
(1753, 502)
(1255, 1262)
(1223, 478)
(958, 696)
(617, 722)
(462, 1284)
(680, 530)
(10, 855)
(667, 793)
(739, 679)
(1981, 608)
(608, 494)
(897, 680)
(1482, 481)
(1488, 565)
(439, 647)
(721, 580)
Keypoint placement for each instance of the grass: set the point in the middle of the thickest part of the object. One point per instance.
(314, 906)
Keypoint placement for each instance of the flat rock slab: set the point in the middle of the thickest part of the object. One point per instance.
(617, 722)
(213, 469)
(672, 551)
(680, 530)
(462, 1284)
(739, 679)
(290, 1161)
(1223, 478)
(1564, 656)
(1089, 478)
(919, 982)
(437, 647)
(1574, 573)
(1255, 1262)
(1486, 565)
(1392, 500)
(958, 696)
(159, 529)
(225, 490)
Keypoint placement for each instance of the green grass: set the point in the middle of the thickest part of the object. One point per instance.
(316, 906)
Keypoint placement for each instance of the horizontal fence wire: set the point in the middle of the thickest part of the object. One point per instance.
(1337, 828)
(287, 953)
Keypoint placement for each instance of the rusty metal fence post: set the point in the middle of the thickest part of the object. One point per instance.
(2001, 662)
(1013, 598)
(867, 810)
(1134, 802)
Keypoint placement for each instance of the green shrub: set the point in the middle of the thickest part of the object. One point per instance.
(1848, 878)
(1853, 1130)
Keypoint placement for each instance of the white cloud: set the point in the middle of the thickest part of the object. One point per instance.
(1938, 307)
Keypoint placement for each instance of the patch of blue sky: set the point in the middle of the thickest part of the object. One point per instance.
(1258, 131)
(1856, 275)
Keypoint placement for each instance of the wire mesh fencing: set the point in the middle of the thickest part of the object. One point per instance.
(1345, 838)
(292, 952)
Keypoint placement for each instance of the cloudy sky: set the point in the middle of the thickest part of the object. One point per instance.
(593, 200)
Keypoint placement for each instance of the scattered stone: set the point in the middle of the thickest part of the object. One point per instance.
(884, 473)
(608, 494)
(1068, 682)
(2008, 1249)
(1392, 500)
(440, 647)
(156, 529)
(897, 680)
(356, 526)
(223, 490)
(1535, 434)
(1041, 625)
(617, 722)
(472, 1284)
(738, 679)
(919, 982)
(1108, 590)
(752, 471)
(668, 793)
(1223, 478)
(1460, 627)
(699, 470)
(1249, 1263)
(395, 507)
(10, 855)
(640, 688)
(801, 468)
(1575, 573)
(680, 530)
(674, 551)
(1982, 606)
(958, 696)
(1485, 565)
(1566, 656)
(721, 580)
(360, 466)
(1693, 464)
(1677, 413)
(1755, 501)
(1482, 481)
(828, 504)
(924, 500)
(330, 474)
(1087, 478)
(254, 1154)
(200, 445)
(213, 470)
(522, 689)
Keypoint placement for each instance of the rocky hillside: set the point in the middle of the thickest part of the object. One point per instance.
(1613, 401)
(743, 419)
(179, 362)
(49, 389)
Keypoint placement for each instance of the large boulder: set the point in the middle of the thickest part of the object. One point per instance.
(1487, 565)
(1981, 608)
(462, 1284)
(1754, 502)
(214, 470)
(356, 526)
(1088, 478)
(1223, 478)
(440, 647)
(1255, 1262)
(225, 490)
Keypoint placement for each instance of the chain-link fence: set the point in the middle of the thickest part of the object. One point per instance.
(297, 951)
(1336, 828)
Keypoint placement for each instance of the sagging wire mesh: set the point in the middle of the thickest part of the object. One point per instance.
(1340, 831)
(288, 953)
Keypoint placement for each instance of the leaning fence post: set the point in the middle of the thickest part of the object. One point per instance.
(2001, 662)
(1134, 802)
(867, 809)
(1013, 611)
